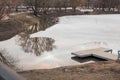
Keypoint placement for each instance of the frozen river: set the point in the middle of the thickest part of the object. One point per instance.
(71, 34)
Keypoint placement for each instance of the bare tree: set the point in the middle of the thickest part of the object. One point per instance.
(15, 3)
(4, 8)
(39, 6)
(74, 4)
(84, 3)
(107, 5)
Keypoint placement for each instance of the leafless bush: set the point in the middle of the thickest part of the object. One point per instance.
(3, 8)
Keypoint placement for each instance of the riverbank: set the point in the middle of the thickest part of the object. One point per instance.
(17, 23)
(109, 70)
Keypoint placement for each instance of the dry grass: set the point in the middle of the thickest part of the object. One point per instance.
(15, 25)
(96, 71)
(24, 23)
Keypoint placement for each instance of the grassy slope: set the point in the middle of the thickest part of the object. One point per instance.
(15, 25)
(24, 23)
(96, 71)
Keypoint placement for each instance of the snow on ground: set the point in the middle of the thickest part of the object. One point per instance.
(75, 31)
(71, 34)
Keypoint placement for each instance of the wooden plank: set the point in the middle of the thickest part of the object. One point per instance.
(106, 55)
(82, 55)
(98, 52)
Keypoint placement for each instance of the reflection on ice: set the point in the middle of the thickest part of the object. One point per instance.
(36, 45)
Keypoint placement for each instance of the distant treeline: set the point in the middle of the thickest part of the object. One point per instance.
(57, 6)
(42, 6)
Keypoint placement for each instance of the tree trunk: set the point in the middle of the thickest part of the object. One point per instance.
(74, 9)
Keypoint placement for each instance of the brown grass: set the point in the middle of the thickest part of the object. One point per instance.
(97, 71)
(15, 25)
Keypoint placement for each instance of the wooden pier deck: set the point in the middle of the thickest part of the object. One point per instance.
(102, 53)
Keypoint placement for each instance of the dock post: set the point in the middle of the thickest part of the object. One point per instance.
(111, 51)
(119, 55)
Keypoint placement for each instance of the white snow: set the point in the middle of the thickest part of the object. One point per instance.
(80, 31)
(71, 34)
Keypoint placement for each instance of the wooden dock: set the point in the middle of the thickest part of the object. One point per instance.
(102, 53)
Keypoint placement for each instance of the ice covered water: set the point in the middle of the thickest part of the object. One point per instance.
(71, 34)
